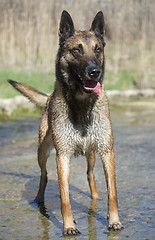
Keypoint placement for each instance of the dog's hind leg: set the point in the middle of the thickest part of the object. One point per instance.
(90, 175)
(45, 145)
(63, 163)
(109, 168)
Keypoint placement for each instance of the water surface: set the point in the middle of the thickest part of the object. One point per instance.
(20, 218)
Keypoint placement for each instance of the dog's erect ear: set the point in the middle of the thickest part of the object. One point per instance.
(66, 28)
(98, 24)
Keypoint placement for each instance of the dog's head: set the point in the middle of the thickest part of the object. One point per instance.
(81, 55)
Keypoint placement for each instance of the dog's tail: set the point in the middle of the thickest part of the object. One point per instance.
(32, 94)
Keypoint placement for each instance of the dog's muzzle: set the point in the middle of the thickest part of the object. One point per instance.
(91, 79)
(93, 72)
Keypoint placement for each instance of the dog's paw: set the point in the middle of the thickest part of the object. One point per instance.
(71, 232)
(115, 226)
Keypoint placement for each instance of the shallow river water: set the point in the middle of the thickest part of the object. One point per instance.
(20, 218)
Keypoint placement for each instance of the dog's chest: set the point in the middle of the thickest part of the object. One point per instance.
(77, 132)
(82, 139)
(96, 137)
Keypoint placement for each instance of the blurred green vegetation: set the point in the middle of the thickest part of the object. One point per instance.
(43, 82)
(21, 113)
(125, 79)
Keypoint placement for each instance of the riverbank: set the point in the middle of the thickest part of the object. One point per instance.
(21, 107)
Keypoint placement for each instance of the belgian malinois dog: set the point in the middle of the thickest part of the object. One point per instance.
(76, 118)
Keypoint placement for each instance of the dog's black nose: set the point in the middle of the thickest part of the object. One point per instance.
(94, 73)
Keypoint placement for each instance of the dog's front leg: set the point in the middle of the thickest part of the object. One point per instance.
(63, 164)
(108, 160)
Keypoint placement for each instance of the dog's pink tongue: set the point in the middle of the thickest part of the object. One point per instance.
(96, 88)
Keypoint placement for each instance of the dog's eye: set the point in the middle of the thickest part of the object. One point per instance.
(98, 50)
(76, 50)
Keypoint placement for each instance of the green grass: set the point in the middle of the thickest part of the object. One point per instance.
(43, 82)
(21, 113)
(124, 80)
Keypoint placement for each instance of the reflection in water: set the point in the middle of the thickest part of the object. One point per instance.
(70, 238)
(111, 235)
(44, 217)
(46, 227)
(91, 220)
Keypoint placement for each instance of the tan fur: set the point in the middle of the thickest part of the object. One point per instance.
(76, 122)
(90, 175)
(35, 96)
